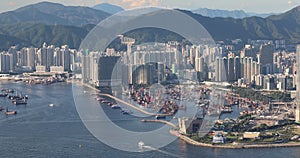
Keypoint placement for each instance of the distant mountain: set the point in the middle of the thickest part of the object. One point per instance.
(53, 14)
(283, 26)
(50, 22)
(237, 14)
(108, 8)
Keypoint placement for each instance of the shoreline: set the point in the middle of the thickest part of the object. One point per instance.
(231, 146)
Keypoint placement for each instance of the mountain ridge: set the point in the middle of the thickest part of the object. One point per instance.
(108, 8)
(236, 14)
(53, 14)
(31, 25)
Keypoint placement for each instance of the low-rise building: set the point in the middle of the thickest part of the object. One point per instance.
(251, 135)
(218, 138)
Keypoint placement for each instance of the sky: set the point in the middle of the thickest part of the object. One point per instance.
(257, 6)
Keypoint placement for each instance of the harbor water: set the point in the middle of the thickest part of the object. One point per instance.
(40, 130)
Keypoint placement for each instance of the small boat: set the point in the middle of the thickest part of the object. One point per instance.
(10, 112)
(19, 102)
(51, 105)
(105, 102)
(111, 103)
(160, 117)
(99, 99)
(26, 97)
(115, 106)
(7, 90)
(226, 110)
(3, 94)
(126, 112)
(12, 97)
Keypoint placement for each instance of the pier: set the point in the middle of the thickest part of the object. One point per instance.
(132, 106)
(124, 102)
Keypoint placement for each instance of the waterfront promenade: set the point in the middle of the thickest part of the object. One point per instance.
(233, 145)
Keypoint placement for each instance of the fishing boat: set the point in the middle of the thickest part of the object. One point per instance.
(19, 101)
(18, 95)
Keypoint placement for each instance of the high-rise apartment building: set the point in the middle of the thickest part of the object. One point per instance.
(297, 115)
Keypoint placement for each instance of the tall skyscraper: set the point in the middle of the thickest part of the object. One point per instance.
(66, 59)
(237, 68)
(231, 69)
(85, 67)
(26, 58)
(266, 53)
(13, 50)
(297, 115)
(220, 70)
(225, 65)
(31, 54)
(6, 62)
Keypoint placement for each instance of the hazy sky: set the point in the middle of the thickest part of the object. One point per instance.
(259, 6)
